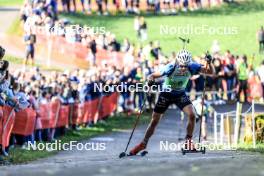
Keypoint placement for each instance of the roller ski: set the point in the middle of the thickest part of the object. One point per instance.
(189, 147)
(138, 150)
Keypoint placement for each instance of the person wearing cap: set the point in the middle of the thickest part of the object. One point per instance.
(177, 76)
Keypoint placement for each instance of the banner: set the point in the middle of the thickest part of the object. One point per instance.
(54, 115)
(77, 113)
(109, 105)
(63, 119)
(25, 121)
(7, 123)
(91, 108)
(254, 88)
(56, 48)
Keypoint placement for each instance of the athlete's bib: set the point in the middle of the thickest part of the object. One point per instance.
(177, 80)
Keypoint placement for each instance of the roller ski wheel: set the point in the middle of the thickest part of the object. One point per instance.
(142, 154)
(201, 150)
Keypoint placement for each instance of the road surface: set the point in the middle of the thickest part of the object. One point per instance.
(157, 162)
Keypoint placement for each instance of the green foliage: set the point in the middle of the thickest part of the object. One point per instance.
(245, 18)
(249, 147)
(4, 3)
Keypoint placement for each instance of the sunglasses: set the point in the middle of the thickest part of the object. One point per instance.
(183, 66)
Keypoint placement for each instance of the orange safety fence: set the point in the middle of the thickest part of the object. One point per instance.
(254, 88)
(91, 108)
(53, 115)
(109, 104)
(25, 121)
(56, 47)
(55, 111)
(63, 119)
(7, 119)
(77, 113)
(44, 116)
(49, 114)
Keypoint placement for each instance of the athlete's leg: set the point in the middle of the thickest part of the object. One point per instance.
(184, 103)
(152, 126)
(160, 107)
(150, 130)
(190, 112)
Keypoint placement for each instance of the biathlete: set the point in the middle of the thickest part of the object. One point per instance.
(176, 76)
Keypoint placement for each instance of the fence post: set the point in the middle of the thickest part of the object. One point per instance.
(228, 129)
(237, 124)
(222, 129)
(253, 124)
(215, 127)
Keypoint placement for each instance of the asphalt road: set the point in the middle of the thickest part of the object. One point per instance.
(157, 162)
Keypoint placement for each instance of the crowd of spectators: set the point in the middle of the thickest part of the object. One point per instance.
(41, 18)
(78, 86)
(231, 69)
(232, 75)
(136, 6)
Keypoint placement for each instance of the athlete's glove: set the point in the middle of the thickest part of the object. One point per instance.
(208, 58)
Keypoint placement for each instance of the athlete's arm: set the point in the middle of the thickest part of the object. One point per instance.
(155, 75)
(166, 70)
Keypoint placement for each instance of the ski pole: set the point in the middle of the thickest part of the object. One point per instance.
(203, 97)
(135, 125)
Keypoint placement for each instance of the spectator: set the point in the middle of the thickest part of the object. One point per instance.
(66, 4)
(114, 45)
(126, 45)
(260, 73)
(166, 5)
(30, 40)
(242, 71)
(83, 3)
(100, 7)
(260, 39)
(93, 51)
(117, 4)
(218, 77)
(156, 51)
(215, 49)
(138, 95)
(143, 29)
(137, 25)
(229, 71)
